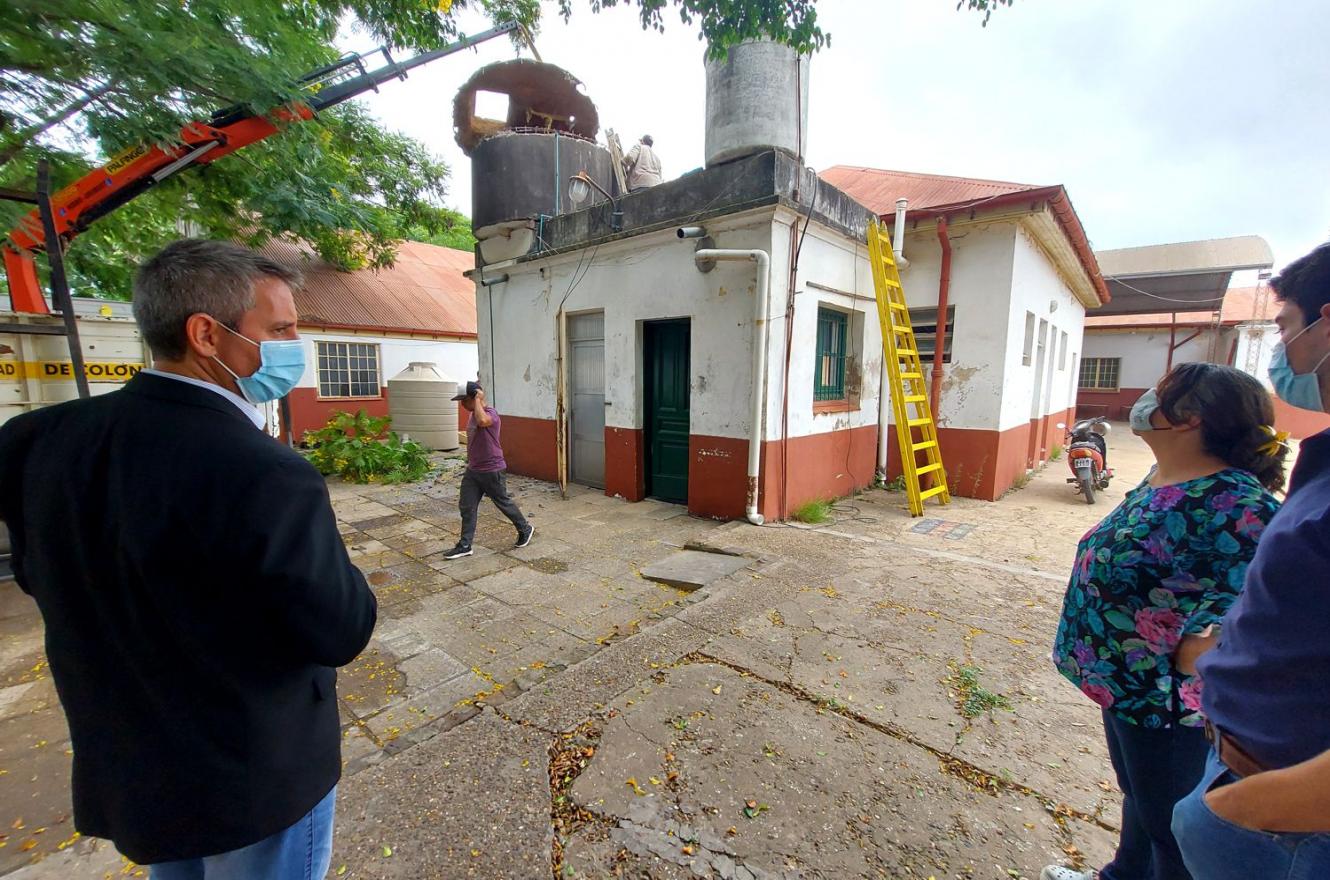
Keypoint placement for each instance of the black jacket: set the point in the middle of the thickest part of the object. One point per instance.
(196, 596)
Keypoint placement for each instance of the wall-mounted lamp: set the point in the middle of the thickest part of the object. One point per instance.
(579, 192)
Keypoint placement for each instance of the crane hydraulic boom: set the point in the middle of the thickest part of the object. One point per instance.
(134, 171)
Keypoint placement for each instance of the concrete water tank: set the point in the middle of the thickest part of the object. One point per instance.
(523, 174)
(420, 401)
(757, 100)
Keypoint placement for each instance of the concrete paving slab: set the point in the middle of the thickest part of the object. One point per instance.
(717, 772)
(471, 802)
(692, 570)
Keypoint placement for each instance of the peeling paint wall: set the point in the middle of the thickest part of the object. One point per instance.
(645, 278)
(981, 283)
(652, 277)
(833, 272)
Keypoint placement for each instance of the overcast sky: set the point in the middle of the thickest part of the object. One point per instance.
(1166, 121)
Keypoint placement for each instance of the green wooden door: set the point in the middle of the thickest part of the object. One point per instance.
(665, 357)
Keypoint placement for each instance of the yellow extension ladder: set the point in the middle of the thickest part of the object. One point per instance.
(916, 432)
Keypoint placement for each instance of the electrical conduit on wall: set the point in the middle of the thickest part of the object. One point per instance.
(763, 260)
(884, 382)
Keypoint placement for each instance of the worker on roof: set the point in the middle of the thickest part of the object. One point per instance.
(641, 165)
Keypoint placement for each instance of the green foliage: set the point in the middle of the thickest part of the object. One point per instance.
(1055, 453)
(984, 6)
(457, 236)
(896, 485)
(349, 188)
(724, 23)
(813, 512)
(81, 80)
(972, 698)
(361, 449)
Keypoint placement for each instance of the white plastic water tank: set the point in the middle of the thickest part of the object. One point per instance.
(757, 100)
(420, 401)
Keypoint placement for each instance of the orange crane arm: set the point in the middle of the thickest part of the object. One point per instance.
(134, 171)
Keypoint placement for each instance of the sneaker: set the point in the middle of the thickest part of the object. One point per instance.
(1057, 872)
(524, 537)
(458, 552)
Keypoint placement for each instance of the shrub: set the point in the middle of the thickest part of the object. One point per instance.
(360, 449)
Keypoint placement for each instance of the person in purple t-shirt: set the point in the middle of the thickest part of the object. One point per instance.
(484, 473)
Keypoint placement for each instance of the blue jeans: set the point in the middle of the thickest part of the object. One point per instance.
(1155, 769)
(1217, 849)
(301, 852)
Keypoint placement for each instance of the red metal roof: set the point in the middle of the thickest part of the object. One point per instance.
(937, 195)
(877, 189)
(424, 291)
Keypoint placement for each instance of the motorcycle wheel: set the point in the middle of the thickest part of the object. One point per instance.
(1087, 489)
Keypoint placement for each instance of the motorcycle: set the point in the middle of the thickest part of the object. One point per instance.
(1087, 455)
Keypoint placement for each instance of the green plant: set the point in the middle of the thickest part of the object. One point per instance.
(813, 512)
(1055, 453)
(360, 449)
(972, 698)
(1022, 480)
(896, 485)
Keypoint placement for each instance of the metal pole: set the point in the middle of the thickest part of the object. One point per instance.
(59, 284)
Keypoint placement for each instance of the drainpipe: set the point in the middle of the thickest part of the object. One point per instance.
(884, 389)
(943, 292)
(763, 260)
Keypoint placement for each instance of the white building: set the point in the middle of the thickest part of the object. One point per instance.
(362, 328)
(1020, 277)
(1193, 301)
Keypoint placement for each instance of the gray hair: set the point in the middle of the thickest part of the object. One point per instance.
(195, 275)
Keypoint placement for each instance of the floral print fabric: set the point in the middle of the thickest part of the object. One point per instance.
(1167, 562)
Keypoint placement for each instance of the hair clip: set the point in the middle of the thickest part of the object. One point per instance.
(1278, 440)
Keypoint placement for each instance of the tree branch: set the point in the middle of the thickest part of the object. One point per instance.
(23, 138)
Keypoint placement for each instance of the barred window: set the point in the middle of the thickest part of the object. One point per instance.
(829, 375)
(1100, 374)
(348, 369)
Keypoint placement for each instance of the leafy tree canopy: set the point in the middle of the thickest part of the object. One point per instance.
(83, 79)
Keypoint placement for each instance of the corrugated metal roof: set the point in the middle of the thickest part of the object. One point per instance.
(1239, 306)
(937, 195)
(424, 292)
(878, 189)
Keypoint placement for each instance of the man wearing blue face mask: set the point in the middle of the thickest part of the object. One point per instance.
(196, 593)
(1262, 808)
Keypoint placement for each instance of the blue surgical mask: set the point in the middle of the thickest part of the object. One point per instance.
(281, 364)
(1142, 409)
(1302, 390)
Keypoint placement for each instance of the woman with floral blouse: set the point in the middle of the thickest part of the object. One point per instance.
(1150, 586)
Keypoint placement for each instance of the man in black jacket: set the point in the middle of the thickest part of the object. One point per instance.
(195, 591)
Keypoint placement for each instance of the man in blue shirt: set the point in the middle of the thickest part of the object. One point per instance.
(1262, 809)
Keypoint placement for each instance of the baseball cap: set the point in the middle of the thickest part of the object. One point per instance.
(471, 389)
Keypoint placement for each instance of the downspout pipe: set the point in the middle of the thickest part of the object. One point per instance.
(943, 294)
(763, 260)
(884, 381)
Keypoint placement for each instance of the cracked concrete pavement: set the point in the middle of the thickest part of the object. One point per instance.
(549, 712)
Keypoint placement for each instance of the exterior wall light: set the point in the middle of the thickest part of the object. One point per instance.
(579, 192)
